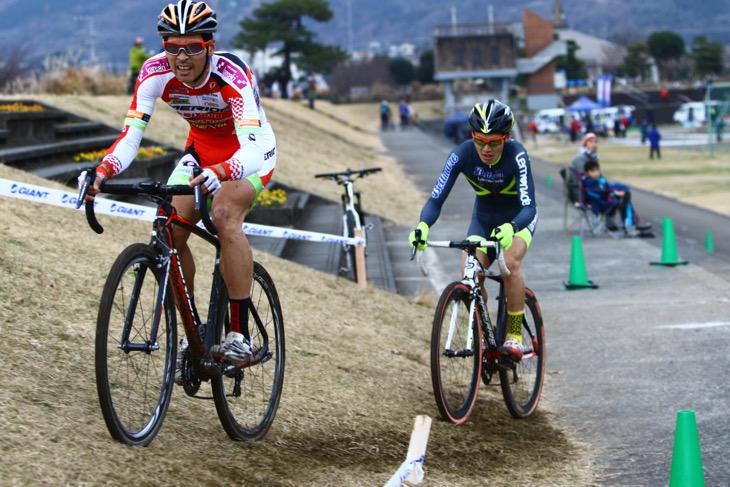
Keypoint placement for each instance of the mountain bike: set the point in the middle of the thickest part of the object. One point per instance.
(136, 331)
(352, 219)
(465, 341)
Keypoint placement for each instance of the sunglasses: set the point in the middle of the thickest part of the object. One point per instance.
(191, 48)
(490, 142)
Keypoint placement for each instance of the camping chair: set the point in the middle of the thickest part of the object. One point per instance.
(578, 216)
(596, 224)
(575, 214)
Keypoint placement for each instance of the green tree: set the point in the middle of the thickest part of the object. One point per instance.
(574, 67)
(707, 56)
(636, 60)
(665, 46)
(426, 67)
(282, 22)
(402, 71)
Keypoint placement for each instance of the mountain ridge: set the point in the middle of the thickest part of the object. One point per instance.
(93, 29)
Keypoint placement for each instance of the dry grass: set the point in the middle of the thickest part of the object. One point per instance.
(357, 361)
(352, 389)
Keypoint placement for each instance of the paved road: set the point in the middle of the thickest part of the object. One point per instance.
(622, 359)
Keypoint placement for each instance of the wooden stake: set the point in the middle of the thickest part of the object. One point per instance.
(419, 440)
(362, 280)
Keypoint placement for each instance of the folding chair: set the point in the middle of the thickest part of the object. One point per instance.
(595, 224)
(575, 214)
(578, 216)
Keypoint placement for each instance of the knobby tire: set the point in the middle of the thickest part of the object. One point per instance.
(247, 399)
(135, 386)
(522, 384)
(455, 373)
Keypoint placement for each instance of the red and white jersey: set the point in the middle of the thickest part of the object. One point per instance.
(224, 112)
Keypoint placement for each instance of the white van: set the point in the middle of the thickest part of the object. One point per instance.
(549, 120)
(605, 117)
(694, 114)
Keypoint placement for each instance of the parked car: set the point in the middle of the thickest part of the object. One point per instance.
(549, 120)
(694, 113)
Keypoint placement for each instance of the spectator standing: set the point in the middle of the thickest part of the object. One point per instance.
(405, 114)
(719, 129)
(311, 90)
(624, 125)
(617, 127)
(644, 131)
(575, 129)
(137, 57)
(654, 137)
(384, 115)
(533, 131)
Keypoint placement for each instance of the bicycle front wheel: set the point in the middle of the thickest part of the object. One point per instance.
(522, 383)
(135, 354)
(247, 399)
(455, 363)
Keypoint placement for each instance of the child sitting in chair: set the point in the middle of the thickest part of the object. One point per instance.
(608, 198)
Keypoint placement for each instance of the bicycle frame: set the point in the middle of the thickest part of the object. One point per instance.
(162, 241)
(466, 347)
(349, 205)
(472, 271)
(144, 292)
(352, 219)
(203, 364)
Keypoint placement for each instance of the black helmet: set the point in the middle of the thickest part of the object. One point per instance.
(492, 117)
(187, 17)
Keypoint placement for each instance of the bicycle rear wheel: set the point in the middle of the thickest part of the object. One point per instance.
(247, 399)
(522, 383)
(134, 370)
(455, 369)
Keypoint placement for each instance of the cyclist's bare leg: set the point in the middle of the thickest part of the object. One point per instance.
(230, 207)
(514, 284)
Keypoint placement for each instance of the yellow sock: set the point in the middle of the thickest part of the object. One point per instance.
(515, 325)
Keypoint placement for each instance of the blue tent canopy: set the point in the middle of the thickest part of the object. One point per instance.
(582, 104)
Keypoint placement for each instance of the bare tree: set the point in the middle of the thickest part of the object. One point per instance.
(11, 66)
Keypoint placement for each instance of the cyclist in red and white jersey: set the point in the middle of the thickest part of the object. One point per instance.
(217, 93)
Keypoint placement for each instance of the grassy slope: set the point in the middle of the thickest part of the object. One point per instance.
(357, 361)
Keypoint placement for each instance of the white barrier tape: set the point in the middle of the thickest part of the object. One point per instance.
(280, 232)
(55, 197)
(405, 470)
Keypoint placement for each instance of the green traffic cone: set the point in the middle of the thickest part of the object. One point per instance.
(686, 459)
(669, 246)
(578, 278)
(708, 242)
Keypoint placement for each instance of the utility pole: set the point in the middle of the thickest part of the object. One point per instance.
(90, 41)
(350, 47)
(708, 115)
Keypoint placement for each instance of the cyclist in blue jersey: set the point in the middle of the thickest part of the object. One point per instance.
(498, 169)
